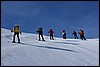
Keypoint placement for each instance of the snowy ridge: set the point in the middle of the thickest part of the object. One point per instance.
(58, 52)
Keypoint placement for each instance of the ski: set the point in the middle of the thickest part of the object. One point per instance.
(16, 42)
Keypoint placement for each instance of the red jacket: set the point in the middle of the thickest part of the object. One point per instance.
(51, 32)
(81, 32)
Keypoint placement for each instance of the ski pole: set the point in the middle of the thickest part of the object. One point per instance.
(36, 36)
(61, 34)
(12, 34)
(20, 35)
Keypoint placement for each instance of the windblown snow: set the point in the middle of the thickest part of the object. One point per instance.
(58, 52)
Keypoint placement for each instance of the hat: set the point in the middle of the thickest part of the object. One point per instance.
(40, 28)
(63, 30)
(16, 24)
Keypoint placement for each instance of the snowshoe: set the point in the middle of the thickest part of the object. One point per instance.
(43, 40)
(13, 42)
(39, 40)
(18, 42)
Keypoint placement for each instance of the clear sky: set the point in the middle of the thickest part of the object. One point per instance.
(58, 15)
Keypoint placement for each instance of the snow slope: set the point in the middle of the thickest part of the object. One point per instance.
(58, 52)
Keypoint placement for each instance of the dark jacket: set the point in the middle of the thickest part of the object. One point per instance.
(74, 33)
(40, 31)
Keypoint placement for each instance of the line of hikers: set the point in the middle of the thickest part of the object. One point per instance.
(16, 31)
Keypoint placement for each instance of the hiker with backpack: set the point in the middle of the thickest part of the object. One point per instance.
(40, 32)
(75, 34)
(16, 31)
(81, 32)
(51, 34)
(64, 34)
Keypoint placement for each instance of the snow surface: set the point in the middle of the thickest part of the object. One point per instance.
(58, 52)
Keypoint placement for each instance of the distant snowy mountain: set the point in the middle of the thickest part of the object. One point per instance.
(58, 52)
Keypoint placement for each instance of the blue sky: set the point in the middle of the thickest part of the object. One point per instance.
(58, 15)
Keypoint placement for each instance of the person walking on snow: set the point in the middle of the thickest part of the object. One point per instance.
(64, 34)
(51, 34)
(75, 35)
(16, 31)
(40, 32)
(81, 32)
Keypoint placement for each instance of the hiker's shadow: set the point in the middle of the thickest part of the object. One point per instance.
(50, 47)
(67, 43)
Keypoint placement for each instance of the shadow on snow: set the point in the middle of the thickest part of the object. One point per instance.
(49, 47)
(66, 43)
